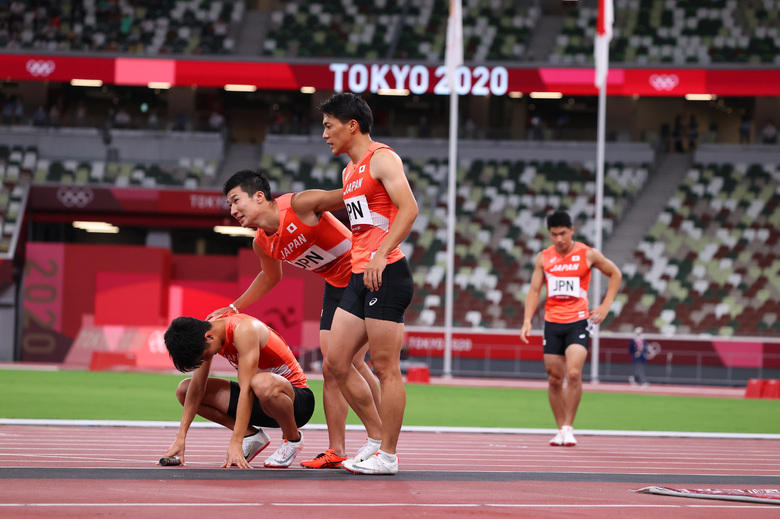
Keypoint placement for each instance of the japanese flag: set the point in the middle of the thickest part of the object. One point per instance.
(603, 36)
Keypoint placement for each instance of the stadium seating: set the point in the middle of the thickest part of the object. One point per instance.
(664, 31)
(165, 27)
(492, 29)
(709, 263)
(12, 191)
(645, 31)
(187, 173)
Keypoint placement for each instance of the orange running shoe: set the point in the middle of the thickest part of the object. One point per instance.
(325, 460)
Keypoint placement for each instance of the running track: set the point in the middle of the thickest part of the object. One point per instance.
(76, 471)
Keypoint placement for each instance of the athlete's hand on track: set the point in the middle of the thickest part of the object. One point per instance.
(235, 456)
(176, 449)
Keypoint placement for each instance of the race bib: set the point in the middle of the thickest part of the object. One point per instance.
(359, 214)
(563, 287)
(313, 258)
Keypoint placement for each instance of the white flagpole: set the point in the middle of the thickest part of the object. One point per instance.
(601, 52)
(595, 342)
(453, 59)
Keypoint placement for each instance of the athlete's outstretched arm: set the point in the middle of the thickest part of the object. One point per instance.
(268, 277)
(248, 335)
(192, 401)
(316, 201)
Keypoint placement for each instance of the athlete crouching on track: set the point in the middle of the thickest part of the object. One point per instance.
(271, 389)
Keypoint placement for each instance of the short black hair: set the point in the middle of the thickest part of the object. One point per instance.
(559, 219)
(347, 106)
(186, 342)
(250, 182)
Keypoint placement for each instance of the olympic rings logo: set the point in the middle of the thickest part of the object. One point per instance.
(665, 82)
(40, 68)
(75, 196)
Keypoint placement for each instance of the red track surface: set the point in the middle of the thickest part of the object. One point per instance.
(99, 471)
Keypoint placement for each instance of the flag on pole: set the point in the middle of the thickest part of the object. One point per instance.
(603, 36)
(453, 54)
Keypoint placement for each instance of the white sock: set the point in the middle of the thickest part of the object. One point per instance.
(388, 457)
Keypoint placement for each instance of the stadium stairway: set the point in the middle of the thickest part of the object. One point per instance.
(238, 157)
(635, 225)
(543, 39)
(254, 29)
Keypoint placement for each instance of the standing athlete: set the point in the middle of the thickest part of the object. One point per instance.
(381, 209)
(271, 389)
(565, 267)
(296, 228)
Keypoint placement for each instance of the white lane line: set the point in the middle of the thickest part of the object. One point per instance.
(751, 506)
(406, 428)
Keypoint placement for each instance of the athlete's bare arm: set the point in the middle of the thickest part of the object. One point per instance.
(268, 277)
(387, 168)
(248, 335)
(192, 401)
(597, 260)
(310, 204)
(532, 298)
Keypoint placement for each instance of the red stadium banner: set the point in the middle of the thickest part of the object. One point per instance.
(127, 200)
(374, 77)
(31, 67)
(471, 345)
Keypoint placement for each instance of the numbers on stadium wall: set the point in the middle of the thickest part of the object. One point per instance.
(480, 81)
(359, 78)
(40, 339)
(42, 342)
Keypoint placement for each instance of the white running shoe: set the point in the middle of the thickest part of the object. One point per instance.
(252, 445)
(568, 436)
(285, 454)
(557, 440)
(366, 451)
(378, 464)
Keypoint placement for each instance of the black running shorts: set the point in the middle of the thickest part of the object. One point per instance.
(559, 336)
(303, 407)
(330, 301)
(386, 304)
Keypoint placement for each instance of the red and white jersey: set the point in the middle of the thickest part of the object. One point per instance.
(568, 278)
(323, 248)
(275, 356)
(370, 209)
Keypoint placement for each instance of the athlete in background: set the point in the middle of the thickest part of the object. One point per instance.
(566, 267)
